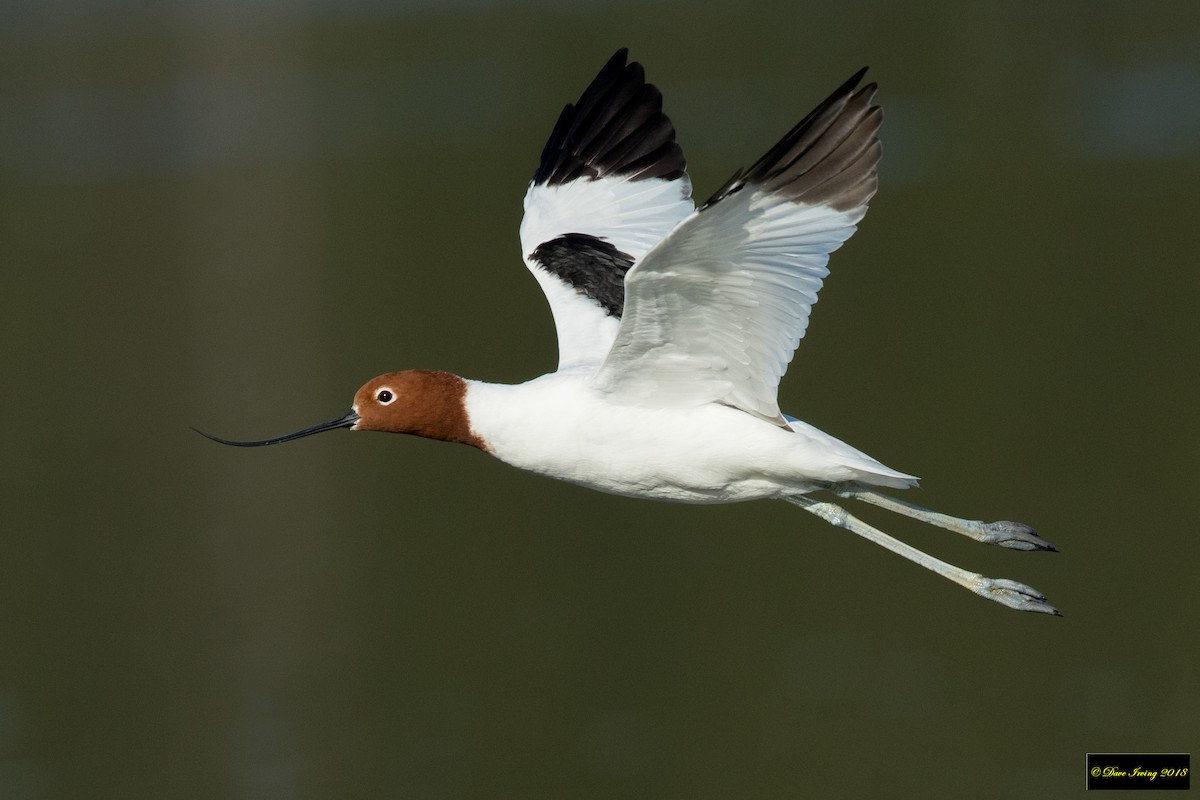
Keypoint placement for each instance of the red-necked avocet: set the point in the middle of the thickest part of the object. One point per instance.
(675, 324)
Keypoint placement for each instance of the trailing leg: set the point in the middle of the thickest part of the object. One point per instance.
(1006, 592)
(1013, 535)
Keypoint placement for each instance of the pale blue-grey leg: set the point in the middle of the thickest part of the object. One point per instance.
(1006, 592)
(1013, 535)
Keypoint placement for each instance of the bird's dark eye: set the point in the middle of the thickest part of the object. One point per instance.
(385, 396)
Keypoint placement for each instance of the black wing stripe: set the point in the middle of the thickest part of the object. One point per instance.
(616, 127)
(831, 157)
(590, 265)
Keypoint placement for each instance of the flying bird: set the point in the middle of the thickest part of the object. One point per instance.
(675, 324)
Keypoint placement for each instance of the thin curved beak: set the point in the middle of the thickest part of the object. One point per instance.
(341, 422)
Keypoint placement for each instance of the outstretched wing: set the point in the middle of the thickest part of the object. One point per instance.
(611, 184)
(715, 311)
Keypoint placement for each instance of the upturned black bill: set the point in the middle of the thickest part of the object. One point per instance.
(341, 422)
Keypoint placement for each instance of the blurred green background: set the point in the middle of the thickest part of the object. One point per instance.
(229, 215)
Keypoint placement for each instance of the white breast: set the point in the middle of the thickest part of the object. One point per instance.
(559, 427)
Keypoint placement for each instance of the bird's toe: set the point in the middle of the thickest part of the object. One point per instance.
(1015, 536)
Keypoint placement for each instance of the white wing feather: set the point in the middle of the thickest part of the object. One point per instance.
(632, 215)
(716, 310)
(612, 173)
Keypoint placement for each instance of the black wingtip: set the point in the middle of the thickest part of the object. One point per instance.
(830, 157)
(615, 127)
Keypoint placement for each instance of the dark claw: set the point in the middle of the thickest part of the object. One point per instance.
(1018, 596)
(1016, 536)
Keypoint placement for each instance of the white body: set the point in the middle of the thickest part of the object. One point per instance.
(558, 426)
